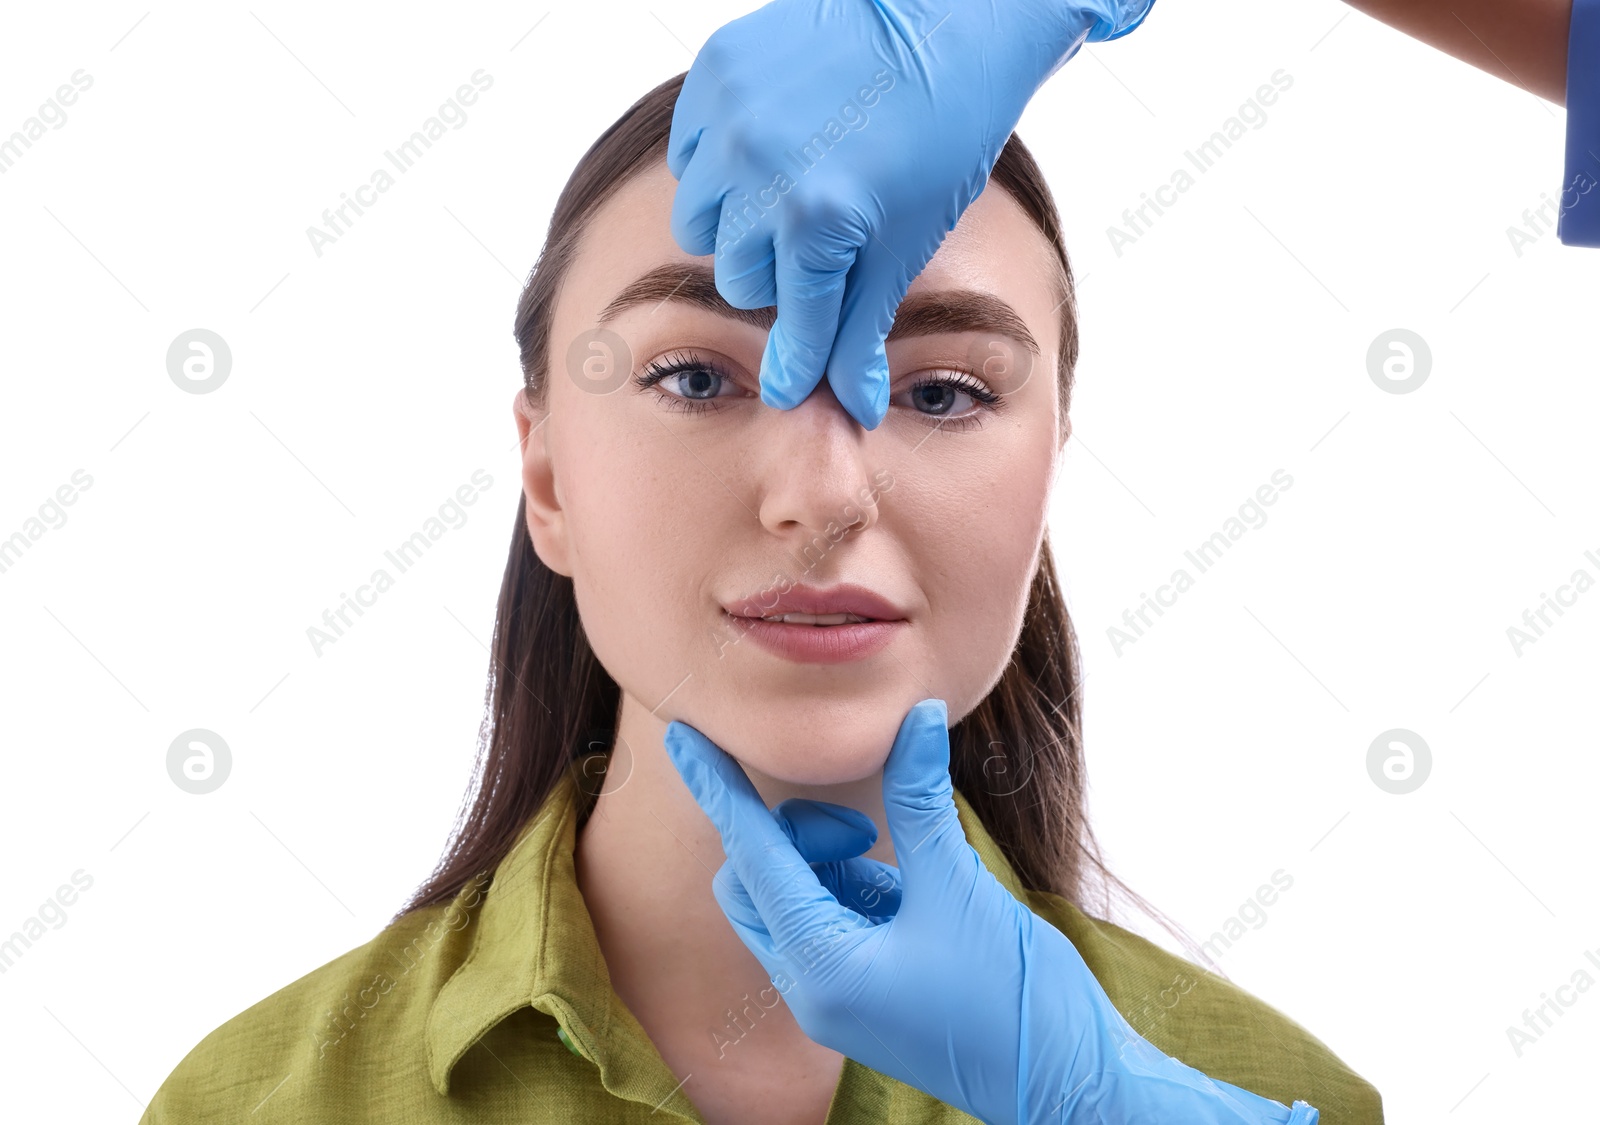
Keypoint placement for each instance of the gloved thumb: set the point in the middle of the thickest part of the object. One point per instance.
(918, 798)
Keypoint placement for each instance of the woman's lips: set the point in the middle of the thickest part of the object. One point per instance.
(818, 644)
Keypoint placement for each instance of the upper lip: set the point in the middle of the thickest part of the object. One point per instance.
(844, 598)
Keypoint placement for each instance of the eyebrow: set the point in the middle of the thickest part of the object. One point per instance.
(924, 314)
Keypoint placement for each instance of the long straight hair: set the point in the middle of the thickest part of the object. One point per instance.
(1017, 757)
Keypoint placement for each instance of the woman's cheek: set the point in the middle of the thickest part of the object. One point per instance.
(987, 574)
(633, 583)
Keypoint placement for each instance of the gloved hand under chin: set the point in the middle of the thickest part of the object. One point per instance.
(824, 148)
(932, 972)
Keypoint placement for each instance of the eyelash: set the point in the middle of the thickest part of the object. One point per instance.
(678, 363)
(988, 401)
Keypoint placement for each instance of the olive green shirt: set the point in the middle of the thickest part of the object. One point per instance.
(497, 1007)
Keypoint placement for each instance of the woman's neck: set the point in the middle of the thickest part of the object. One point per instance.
(645, 860)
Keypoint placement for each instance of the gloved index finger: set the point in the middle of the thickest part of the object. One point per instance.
(792, 901)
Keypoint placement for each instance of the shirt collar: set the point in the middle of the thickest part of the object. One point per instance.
(535, 945)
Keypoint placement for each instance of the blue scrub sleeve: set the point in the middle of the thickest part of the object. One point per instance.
(1579, 221)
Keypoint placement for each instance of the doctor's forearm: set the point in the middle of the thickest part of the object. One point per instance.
(1521, 41)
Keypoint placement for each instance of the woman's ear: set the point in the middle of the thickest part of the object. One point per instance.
(547, 525)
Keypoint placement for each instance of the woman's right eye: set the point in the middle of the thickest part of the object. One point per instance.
(686, 382)
(695, 382)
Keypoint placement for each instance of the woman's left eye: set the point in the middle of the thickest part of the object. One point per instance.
(955, 400)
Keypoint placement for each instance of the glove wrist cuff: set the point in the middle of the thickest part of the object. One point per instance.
(1076, 1049)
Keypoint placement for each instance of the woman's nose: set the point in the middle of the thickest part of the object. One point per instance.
(813, 471)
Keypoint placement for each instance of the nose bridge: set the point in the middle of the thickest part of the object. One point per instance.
(814, 469)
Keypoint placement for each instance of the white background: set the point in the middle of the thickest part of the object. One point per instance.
(369, 383)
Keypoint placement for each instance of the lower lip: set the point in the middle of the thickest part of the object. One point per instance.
(819, 644)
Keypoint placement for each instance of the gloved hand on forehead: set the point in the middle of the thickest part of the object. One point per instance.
(824, 148)
(931, 971)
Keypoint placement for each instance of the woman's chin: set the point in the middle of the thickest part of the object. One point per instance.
(817, 753)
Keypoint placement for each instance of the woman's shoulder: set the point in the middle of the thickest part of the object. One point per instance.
(322, 1039)
(1210, 1023)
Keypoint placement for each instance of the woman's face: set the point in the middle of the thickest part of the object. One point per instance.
(684, 510)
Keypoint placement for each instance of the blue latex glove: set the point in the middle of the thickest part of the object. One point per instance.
(830, 837)
(946, 982)
(906, 104)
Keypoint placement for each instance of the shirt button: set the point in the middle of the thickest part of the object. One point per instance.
(561, 1034)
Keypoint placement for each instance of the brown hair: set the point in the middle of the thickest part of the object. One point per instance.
(1017, 757)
